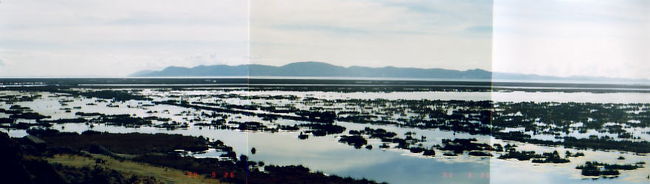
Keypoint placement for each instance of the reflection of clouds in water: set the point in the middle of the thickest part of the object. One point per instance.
(417, 170)
(324, 153)
(564, 173)
(512, 171)
(639, 176)
(327, 155)
(509, 171)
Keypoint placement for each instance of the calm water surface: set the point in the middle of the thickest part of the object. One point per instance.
(394, 166)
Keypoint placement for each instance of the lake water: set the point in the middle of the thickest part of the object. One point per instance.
(326, 154)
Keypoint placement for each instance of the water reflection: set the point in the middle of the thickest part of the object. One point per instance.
(326, 154)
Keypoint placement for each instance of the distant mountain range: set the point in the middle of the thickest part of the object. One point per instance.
(321, 69)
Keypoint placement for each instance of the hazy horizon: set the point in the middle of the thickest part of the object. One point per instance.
(575, 78)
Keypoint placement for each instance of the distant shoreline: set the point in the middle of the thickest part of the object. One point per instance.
(312, 83)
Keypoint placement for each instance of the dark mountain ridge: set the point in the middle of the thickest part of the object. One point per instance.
(321, 69)
(314, 69)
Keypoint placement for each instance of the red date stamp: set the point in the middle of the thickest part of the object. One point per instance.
(213, 174)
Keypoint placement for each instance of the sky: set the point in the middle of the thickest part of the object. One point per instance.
(452, 34)
(93, 38)
(608, 38)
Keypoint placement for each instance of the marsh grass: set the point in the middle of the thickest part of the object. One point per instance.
(130, 168)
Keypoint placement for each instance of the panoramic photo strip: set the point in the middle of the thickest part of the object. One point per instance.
(325, 92)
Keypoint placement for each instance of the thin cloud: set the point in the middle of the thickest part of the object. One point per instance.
(572, 38)
(117, 38)
(428, 34)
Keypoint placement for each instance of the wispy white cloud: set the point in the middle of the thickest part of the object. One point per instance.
(116, 38)
(418, 33)
(572, 38)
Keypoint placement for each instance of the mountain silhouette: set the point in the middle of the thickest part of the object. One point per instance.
(314, 69)
(321, 69)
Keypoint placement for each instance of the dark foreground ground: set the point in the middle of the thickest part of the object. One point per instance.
(48, 156)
